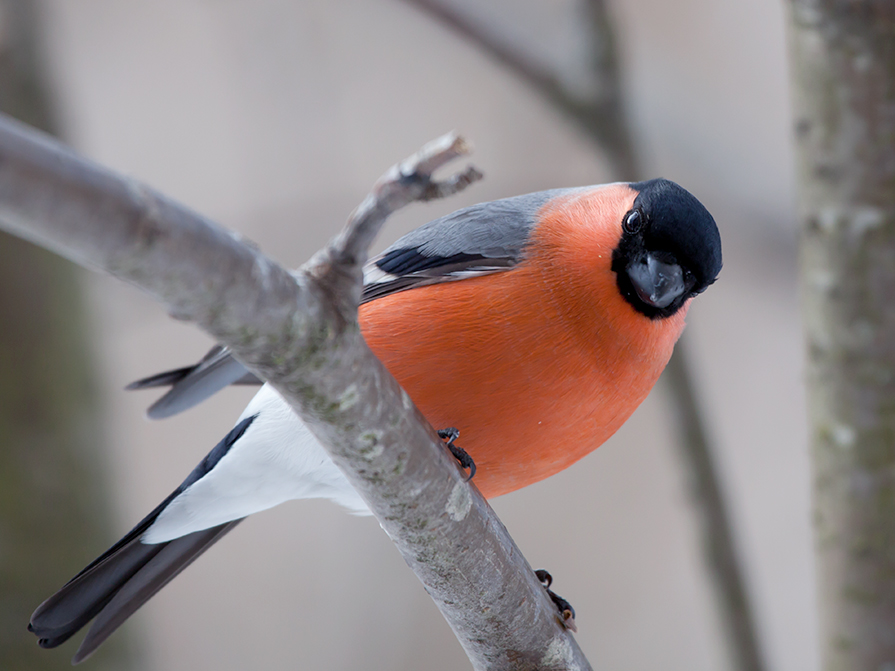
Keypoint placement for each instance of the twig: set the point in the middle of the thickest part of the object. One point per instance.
(298, 333)
(404, 183)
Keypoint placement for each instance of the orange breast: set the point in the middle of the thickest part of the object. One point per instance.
(536, 366)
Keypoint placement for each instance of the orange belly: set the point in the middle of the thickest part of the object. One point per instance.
(497, 358)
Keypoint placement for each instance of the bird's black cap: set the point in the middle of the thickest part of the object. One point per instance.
(680, 224)
(672, 226)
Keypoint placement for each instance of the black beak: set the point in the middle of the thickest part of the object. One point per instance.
(657, 283)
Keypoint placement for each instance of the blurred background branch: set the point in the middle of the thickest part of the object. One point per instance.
(588, 89)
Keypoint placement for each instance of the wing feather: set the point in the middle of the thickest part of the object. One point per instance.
(475, 241)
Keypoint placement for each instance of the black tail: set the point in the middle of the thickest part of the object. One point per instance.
(126, 575)
(114, 586)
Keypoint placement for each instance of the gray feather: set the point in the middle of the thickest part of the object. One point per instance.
(217, 370)
(478, 240)
(498, 229)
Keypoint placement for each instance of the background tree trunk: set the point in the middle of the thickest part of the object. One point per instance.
(844, 85)
(48, 410)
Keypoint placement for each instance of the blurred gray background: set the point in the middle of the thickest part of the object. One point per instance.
(275, 117)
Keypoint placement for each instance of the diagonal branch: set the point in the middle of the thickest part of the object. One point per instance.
(300, 332)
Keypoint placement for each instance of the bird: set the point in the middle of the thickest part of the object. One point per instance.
(535, 325)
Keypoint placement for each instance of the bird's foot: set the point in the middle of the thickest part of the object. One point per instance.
(450, 435)
(566, 612)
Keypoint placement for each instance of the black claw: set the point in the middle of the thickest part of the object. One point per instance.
(462, 456)
(449, 434)
(566, 612)
(544, 577)
(465, 460)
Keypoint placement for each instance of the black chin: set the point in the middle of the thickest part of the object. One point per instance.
(629, 291)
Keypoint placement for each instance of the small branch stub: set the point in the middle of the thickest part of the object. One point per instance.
(409, 181)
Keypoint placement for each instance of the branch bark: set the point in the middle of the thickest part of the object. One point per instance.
(843, 57)
(299, 331)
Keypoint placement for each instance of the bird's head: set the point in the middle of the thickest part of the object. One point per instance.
(669, 250)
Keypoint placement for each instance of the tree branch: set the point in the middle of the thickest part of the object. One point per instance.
(299, 331)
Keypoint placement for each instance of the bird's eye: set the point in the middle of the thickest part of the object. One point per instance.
(633, 222)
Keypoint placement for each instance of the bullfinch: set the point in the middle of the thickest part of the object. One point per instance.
(535, 325)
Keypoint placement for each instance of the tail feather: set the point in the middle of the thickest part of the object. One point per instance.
(58, 618)
(125, 576)
(113, 587)
(85, 595)
(161, 568)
